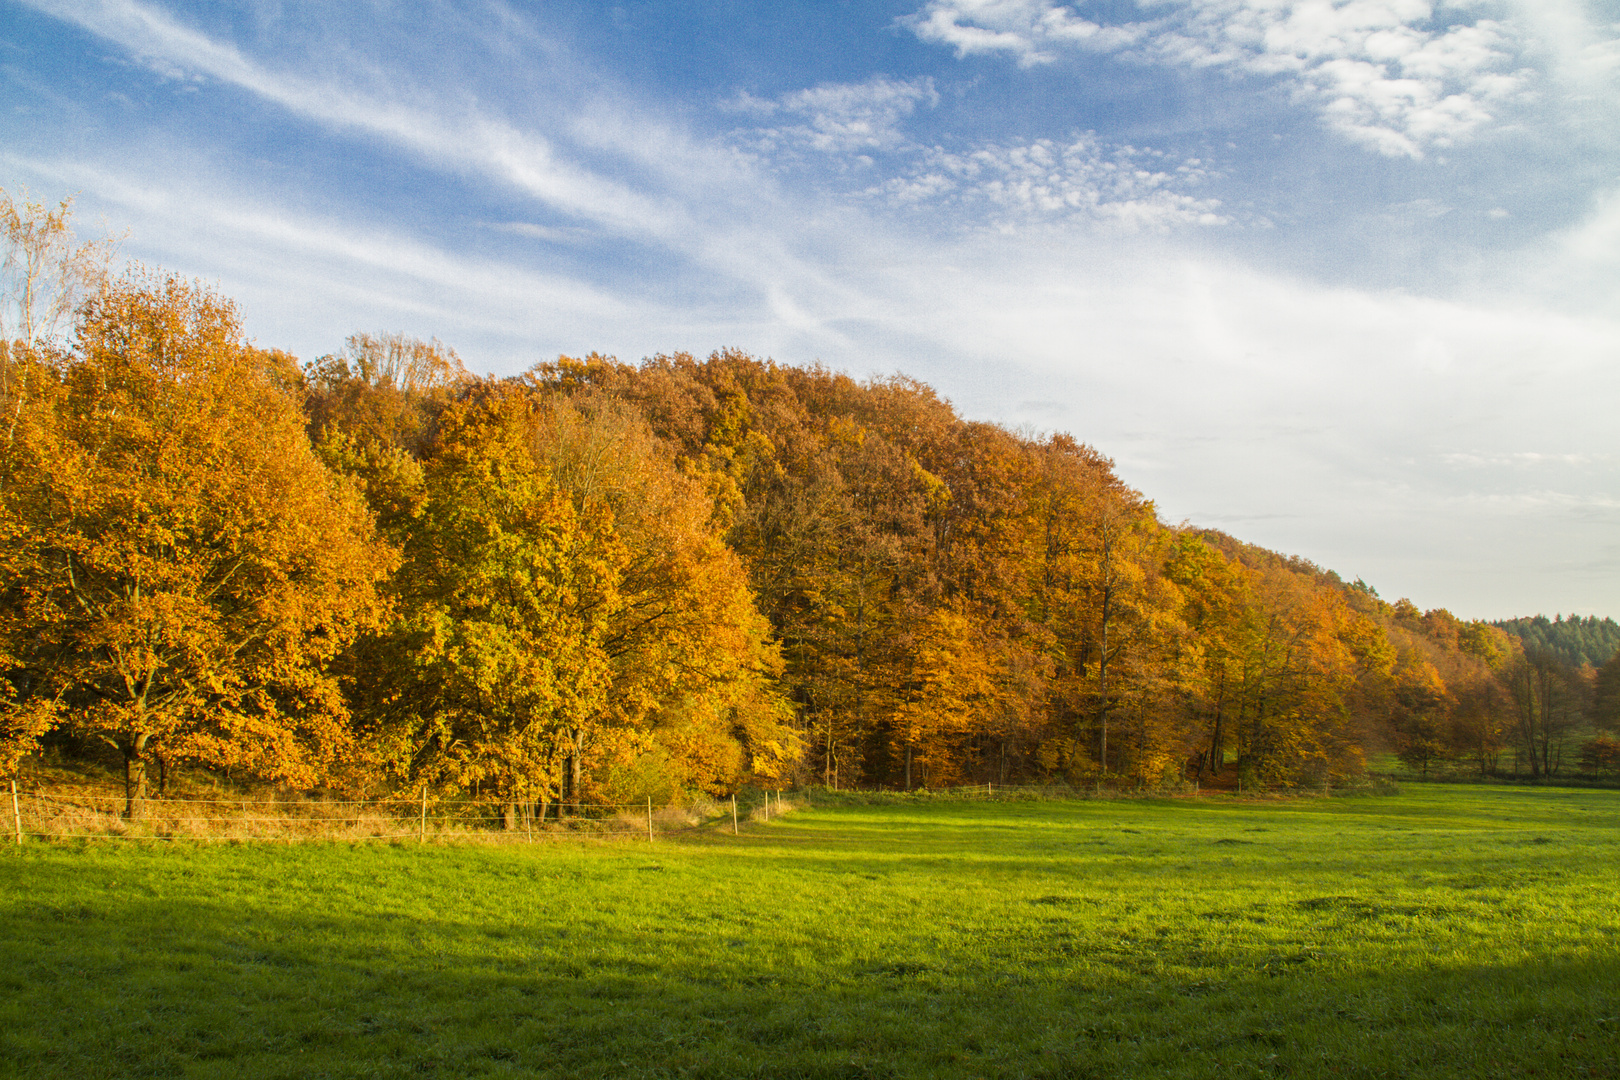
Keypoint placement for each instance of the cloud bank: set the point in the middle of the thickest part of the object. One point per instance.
(1400, 77)
(1456, 448)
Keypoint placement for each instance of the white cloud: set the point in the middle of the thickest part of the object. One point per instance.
(1374, 69)
(1593, 246)
(1377, 71)
(1046, 180)
(1575, 269)
(285, 260)
(700, 202)
(1522, 458)
(1584, 54)
(551, 234)
(468, 140)
(838, 117)
(1027, 30)
(1319, 419)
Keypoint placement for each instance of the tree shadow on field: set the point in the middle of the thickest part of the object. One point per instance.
(131, 986)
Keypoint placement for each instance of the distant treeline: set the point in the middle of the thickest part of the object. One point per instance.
(1574, 641)
(603, 581)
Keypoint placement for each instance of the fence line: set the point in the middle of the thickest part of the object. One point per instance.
(86, 814)
(294, 801)
(100, 814)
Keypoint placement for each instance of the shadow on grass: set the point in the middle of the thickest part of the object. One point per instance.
(473, 964)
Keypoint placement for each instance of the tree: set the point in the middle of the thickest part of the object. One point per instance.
(1480, 721)
(1091, 572)
(953, 687)
(1420, 714)
(692, 663)
(1601, 754)
(382, 390)
(689, 698)
(29, 700)
(44, 273)
(496, 666)
(192, 568)
(1606, 694)
(1217, 610)
(1119, 578)
(1547, 699)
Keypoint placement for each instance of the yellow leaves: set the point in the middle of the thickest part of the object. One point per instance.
(845, 432)
(936, 492)
(505, 597)
(195, 565)
(578, 558)
(21, 725)
(1488, 643)
(685, 641)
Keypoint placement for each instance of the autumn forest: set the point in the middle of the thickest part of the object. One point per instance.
(599, 580)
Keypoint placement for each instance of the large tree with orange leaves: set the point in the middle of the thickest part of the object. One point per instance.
(191, 569)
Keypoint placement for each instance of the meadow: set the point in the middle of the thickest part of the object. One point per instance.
(1442, 932)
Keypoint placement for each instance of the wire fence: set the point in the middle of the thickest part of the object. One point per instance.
(86, 813)
(1116, 787)
(92, 813)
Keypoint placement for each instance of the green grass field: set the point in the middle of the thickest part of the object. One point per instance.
(1447, 931)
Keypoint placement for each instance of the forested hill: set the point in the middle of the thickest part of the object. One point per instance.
(1575, 641)
(606, 581)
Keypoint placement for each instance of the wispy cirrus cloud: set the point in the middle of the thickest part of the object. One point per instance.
(463, 137)
(669, 192)
(1400, 77)
(1072, 282)
(1520, 459)
(337, 261)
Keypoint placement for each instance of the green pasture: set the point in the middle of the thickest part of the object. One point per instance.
(1446, 931)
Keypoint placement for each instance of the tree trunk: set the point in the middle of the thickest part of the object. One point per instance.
(1217, 737)
(829, 762)
(134, 776)
(572, 771)
(576, 766)
(908, 766)
(1102, 685)
(1141, 743)
(1545, 679)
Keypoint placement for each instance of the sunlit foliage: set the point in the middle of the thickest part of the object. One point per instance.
(607, 582)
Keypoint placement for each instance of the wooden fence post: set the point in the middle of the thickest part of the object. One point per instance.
(733, 813)
(16, 811)
(649, 820)
(422, 832)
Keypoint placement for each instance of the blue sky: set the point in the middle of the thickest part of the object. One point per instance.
(1341, 277)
